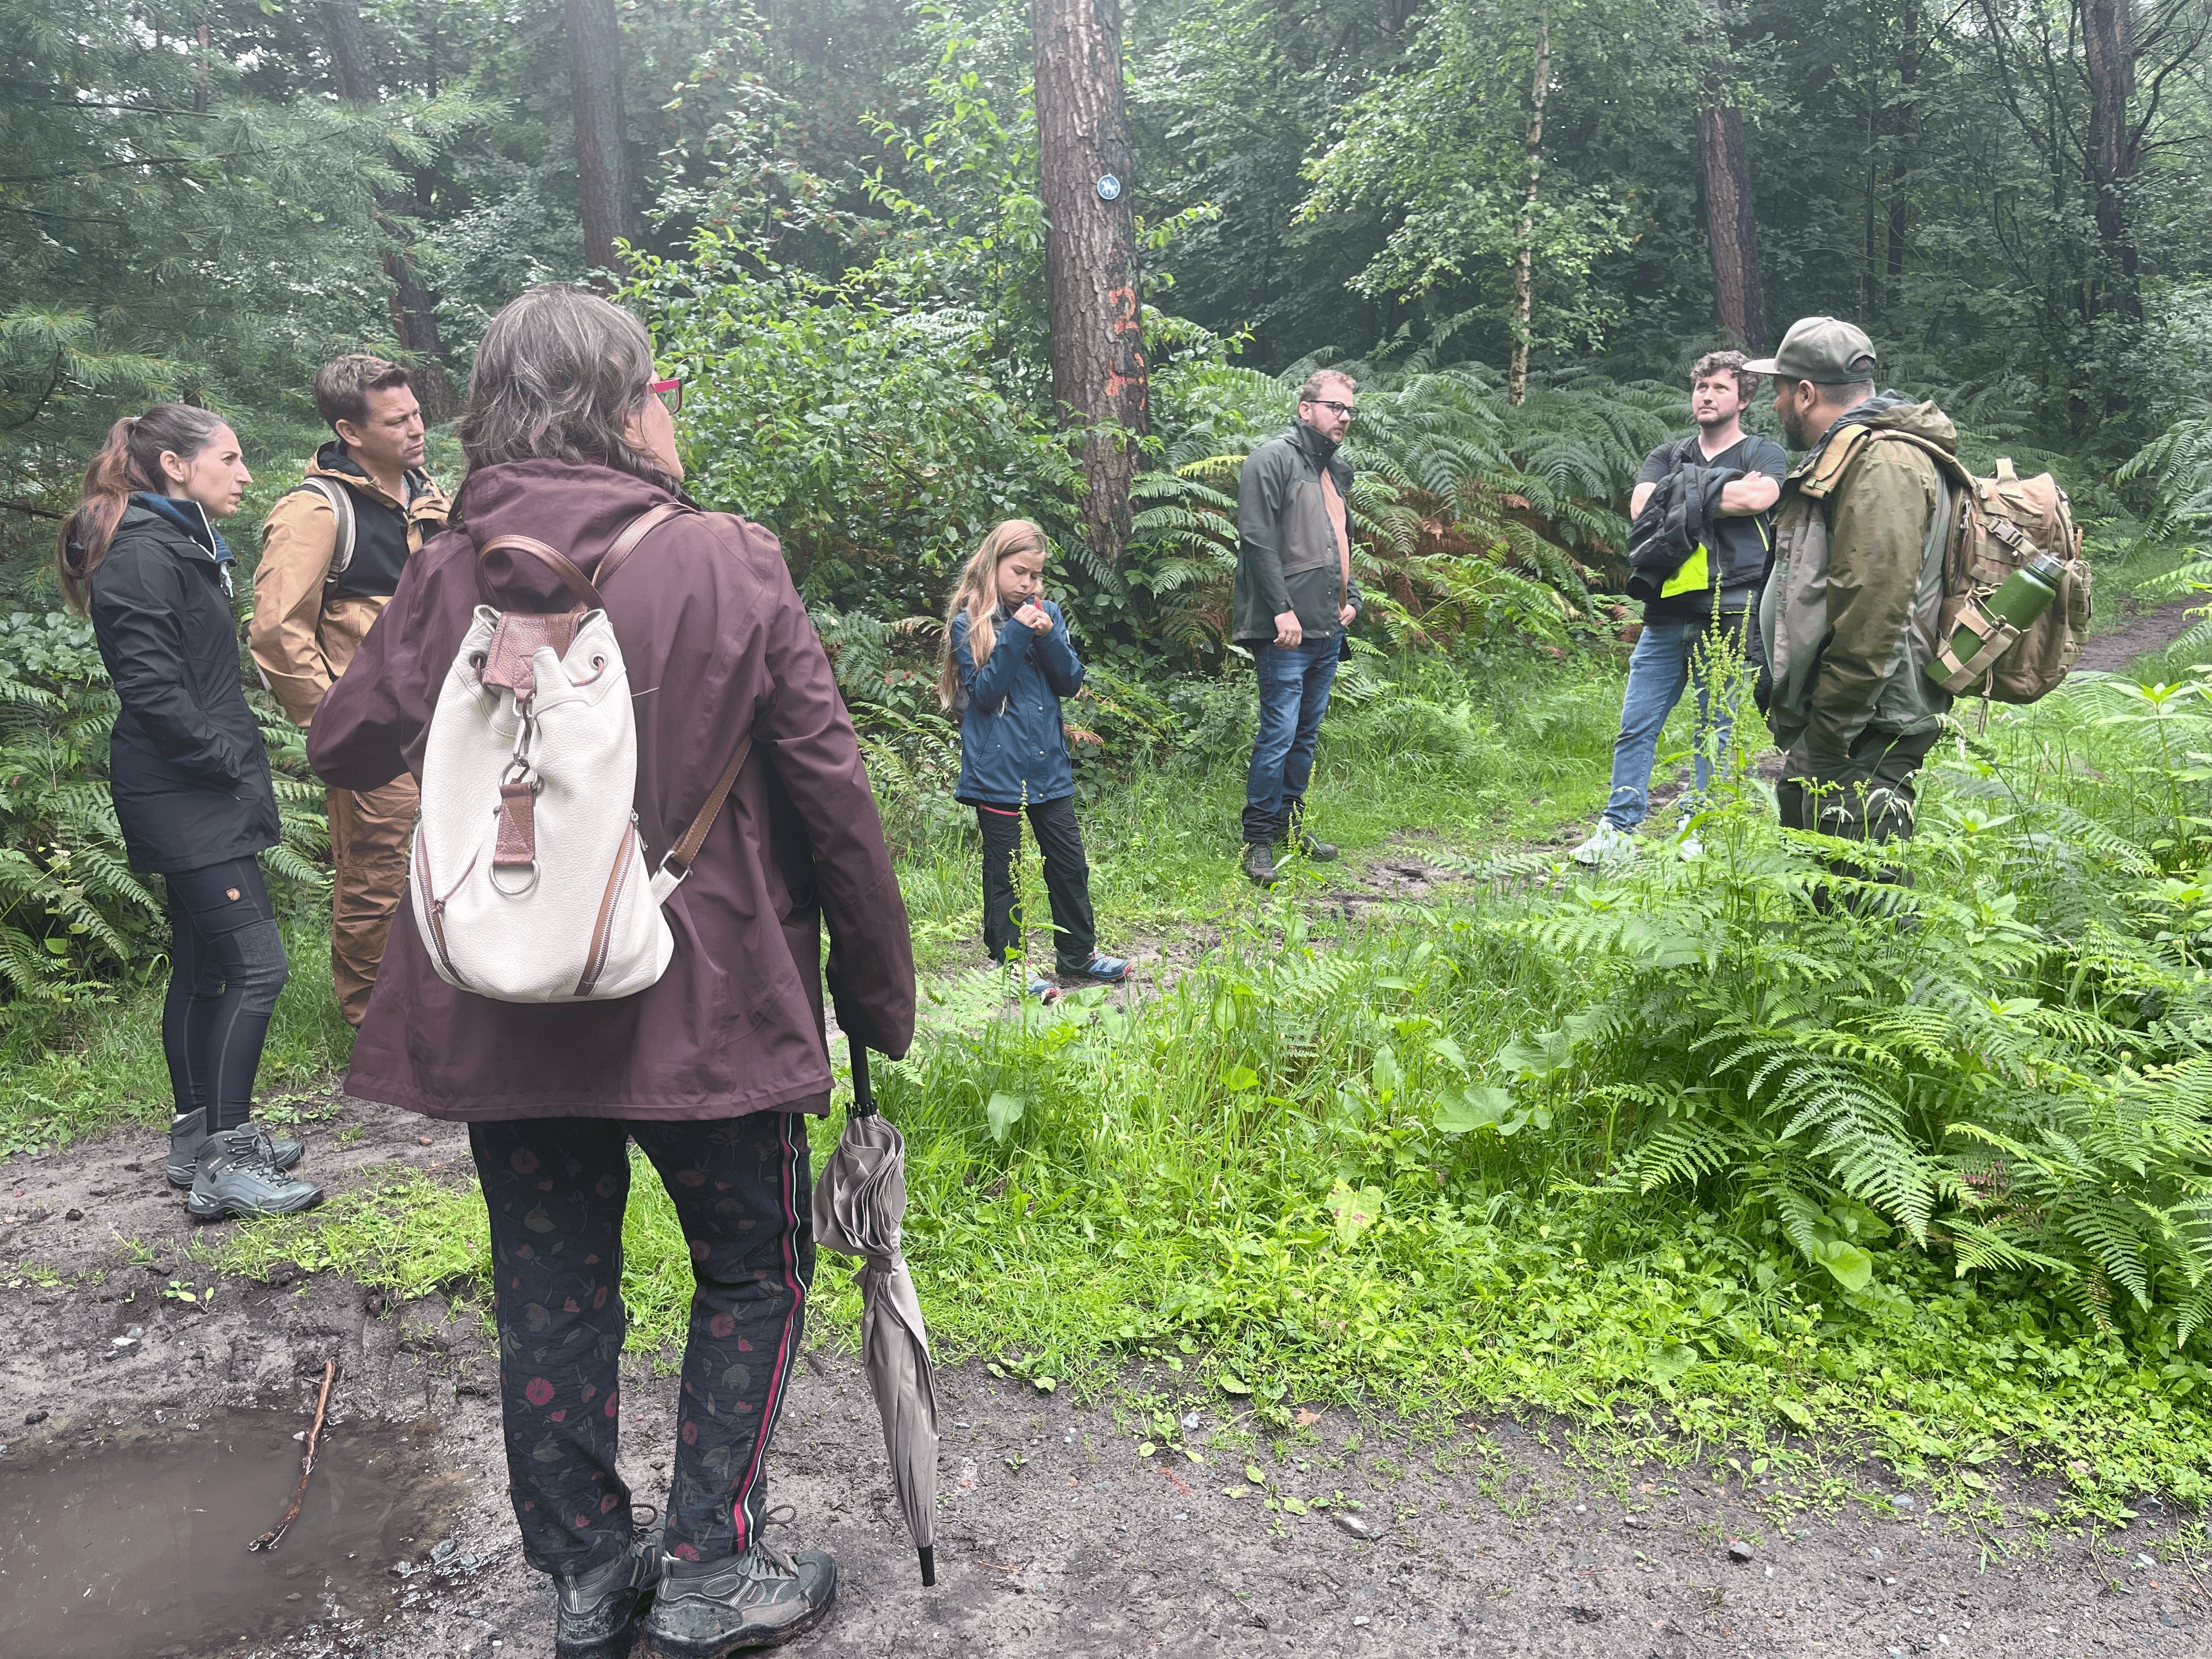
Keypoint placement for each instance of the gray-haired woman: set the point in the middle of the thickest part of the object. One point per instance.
(712, 1070)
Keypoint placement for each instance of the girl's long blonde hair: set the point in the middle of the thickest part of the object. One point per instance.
(975, 595)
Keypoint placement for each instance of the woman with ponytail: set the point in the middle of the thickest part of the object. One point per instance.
(140, 556)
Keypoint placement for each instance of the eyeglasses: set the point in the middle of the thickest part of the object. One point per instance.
(1350, 411)
(670, 392)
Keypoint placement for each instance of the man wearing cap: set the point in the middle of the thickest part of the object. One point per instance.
(1848, 616)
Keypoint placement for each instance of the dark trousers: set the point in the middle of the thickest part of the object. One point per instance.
(226, 965)
(1066, 879)
(556, 1189)
(1294, 685)
(1874, 803)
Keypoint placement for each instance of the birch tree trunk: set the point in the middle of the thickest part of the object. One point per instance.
(1099, 375)
(1516, 379)
(595, 77)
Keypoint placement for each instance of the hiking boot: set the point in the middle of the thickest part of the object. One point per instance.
(186, 1133)
(1260, 863)
(235, 1174)
(760, 1598)
(1099, 970)
(1313, 848)
(1607, 844)
(595, 1614)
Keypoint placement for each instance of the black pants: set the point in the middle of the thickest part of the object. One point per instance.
(556, 1189)
(1875, 805)
(1066, 878)
(226, 965)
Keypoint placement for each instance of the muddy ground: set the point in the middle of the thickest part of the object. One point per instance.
(1056, 1538)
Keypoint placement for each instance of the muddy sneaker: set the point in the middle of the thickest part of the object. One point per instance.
(186, 1133)
(1260, 863)
(760, 1598)
(595, 1614)
(236, 1176)
(1607, 844)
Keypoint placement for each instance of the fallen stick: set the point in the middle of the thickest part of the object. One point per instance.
(274, 1535)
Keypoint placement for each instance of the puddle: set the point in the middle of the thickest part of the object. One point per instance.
(136, 1544)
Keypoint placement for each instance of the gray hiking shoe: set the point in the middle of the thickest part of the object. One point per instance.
(595, 1614)
(186, 1133)
(1259, 862)
(235, 1174)
(760, 1598)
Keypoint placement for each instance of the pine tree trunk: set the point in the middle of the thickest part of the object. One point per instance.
(1516, 379)
(1732, 226)
(414, 308)
(595, 71)
(2109, 45)
(1099, 375)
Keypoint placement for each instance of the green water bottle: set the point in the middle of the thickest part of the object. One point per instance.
(2025, 596)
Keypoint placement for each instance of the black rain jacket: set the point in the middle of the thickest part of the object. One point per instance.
(186, 767)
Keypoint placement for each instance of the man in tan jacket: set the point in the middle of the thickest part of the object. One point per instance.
(330, 555)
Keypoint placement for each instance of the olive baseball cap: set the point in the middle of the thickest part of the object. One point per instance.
(1826, 350)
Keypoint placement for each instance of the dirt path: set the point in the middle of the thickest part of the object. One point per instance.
(2141, 634)
(1055, 1537)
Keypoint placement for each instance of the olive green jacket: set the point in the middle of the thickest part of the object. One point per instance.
(1287, 557)
(1849, 617)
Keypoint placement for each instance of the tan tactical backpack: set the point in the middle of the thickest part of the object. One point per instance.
(1999, 523)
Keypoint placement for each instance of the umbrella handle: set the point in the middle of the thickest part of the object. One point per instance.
(928, 1567)
(864, 1094)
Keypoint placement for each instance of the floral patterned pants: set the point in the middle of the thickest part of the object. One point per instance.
(556, 1189)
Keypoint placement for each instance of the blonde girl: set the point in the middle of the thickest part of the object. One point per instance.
(1008, 661)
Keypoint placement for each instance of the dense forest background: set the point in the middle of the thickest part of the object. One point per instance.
(207, 198)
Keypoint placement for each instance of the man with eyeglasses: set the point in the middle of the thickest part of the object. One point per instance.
(1294, 599)
(331, 553)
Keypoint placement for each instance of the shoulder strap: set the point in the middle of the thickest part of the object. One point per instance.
(633, 533)
(341, 504)
(687, 848)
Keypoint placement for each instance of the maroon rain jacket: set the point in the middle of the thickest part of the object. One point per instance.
(716, 641)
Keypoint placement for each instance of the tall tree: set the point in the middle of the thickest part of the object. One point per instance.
(2108, 41)
(414, 307)
(1524, 248)
(603, 169)
(1732, 225)
(1098, 376)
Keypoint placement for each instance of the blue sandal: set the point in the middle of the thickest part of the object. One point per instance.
(1102, 970)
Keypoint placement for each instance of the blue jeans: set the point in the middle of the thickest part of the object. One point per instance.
(1294, 682)
(1668, 656)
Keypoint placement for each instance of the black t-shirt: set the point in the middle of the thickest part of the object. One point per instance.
(1745, 539)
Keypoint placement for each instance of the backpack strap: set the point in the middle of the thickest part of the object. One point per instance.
(633, 533)
(340, 500)
(560, 563)
(677, 864)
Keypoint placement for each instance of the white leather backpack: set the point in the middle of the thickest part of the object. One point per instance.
(528, 880)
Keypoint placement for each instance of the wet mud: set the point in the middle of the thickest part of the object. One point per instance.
(1470, 1536)
(131, 1539)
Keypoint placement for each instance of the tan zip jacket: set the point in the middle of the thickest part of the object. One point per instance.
(301, 641)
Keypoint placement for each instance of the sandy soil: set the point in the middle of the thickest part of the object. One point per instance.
(1054, 1538)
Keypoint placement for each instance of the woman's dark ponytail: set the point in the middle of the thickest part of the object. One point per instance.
(130, 460)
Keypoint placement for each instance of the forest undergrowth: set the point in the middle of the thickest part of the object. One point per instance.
(1767, 1154)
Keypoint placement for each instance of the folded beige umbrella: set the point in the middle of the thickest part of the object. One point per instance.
(858, 1204)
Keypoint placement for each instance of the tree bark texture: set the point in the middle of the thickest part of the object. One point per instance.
(1524, 253)
(595, 73)
(1098, 374)
(414, 308)
(2108, 41)
(1732, 226)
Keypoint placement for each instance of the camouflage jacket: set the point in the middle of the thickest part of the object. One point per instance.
(1848, 616)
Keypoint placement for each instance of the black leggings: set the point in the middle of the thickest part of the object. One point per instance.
(1067, 880)
(226, 967)
(556, 1189)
